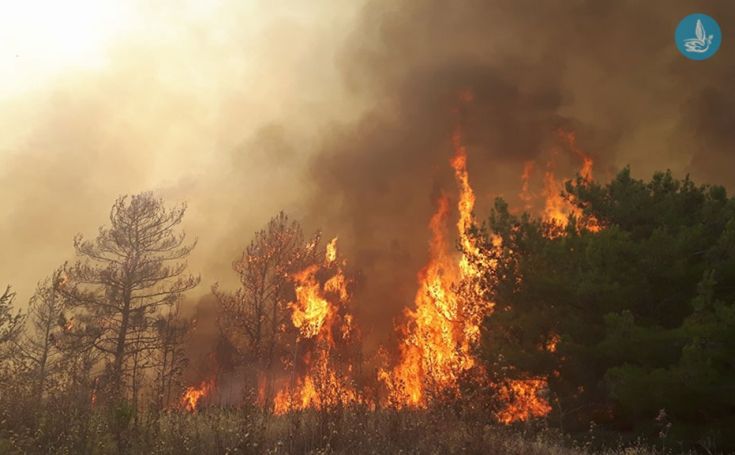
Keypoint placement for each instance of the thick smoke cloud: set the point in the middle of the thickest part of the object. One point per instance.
(607, 70)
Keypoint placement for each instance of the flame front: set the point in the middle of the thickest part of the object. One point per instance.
(440, 332)
(443, 327)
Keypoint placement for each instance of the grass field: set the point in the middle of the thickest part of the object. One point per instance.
(243, 431)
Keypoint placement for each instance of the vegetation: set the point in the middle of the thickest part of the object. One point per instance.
(640, 314)
(249, 431)
(623, 319)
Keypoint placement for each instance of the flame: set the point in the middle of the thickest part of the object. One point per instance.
(320, 389)
(429, 354)
(319, 309)
(69, 326)
(331, 255)
(557, 210)
(441, 330)
(193, 394)
(523, 400)
(525, 195)
(311, 309)
(570, 138)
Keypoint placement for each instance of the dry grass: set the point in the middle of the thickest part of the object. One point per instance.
(249, 431)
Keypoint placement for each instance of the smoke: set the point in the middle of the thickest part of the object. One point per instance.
(342, 116)
(216, 104)
(607, 70)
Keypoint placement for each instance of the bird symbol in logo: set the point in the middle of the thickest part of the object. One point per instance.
(701, 43)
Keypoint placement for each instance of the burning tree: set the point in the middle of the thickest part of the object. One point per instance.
(622, 321)
(123, 279)
(322, 368)
(440, 333)
(256, 318)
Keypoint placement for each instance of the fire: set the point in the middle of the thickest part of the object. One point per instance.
(525, 195)
(440, 332)
(320, 389)
(193, 394)
(430, 353)
(552, 343)
(557, 209)
(523, 400)
(331, 251)
(319, 309)
(311, 309)
(570, 138)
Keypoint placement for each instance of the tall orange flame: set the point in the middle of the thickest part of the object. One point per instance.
(440, 331)
(317, 311)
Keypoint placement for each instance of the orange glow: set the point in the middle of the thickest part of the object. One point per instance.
(525, 195)
(331, 255)
(523, 400)
(557, 209)
(552, 343)
(192, 395)
(320, 389)
(570, 138)
(319, 310)
(311, 309)
(439, 333)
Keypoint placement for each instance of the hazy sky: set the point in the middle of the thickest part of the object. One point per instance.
(338, 112)
(216, 103)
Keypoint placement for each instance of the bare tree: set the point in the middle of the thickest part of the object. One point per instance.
(124, 278)
(254, 318)
(38, 346)
(11, 324)
(170, 358)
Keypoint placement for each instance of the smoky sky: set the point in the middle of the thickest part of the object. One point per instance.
(607, 70)
(342, 115)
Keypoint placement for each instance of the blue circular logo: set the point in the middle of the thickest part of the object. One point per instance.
(698, 36)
